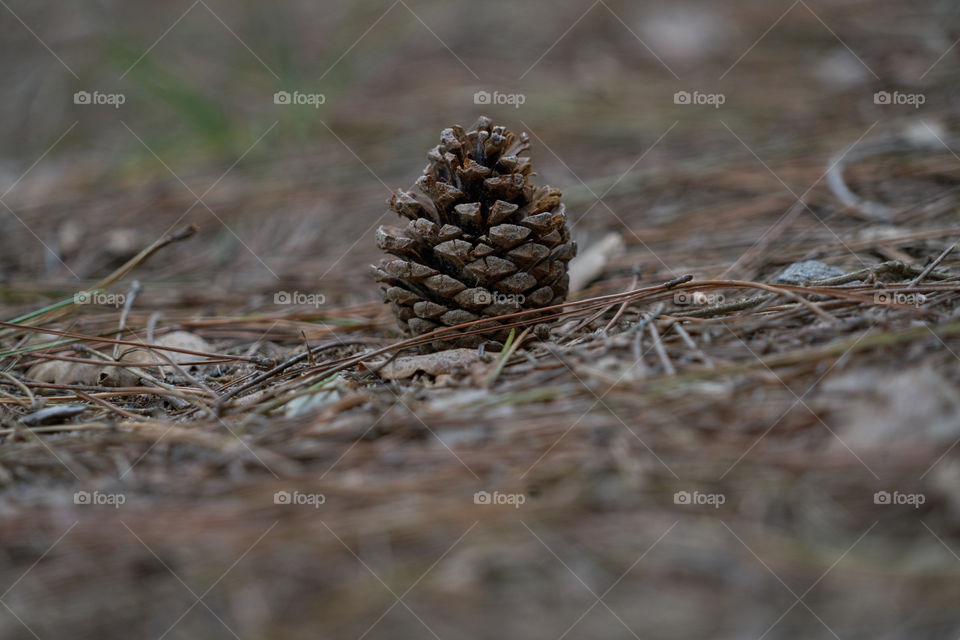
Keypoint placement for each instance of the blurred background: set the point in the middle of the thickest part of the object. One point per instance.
(596, 84)
(280, 129)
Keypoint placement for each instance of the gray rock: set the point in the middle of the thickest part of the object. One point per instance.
(808, 271)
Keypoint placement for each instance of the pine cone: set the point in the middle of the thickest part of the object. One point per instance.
(482, 240)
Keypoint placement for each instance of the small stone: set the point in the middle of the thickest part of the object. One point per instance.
(808, 271)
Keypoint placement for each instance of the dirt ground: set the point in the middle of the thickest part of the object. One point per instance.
(740, 455)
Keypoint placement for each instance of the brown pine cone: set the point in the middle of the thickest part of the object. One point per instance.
(482, 240)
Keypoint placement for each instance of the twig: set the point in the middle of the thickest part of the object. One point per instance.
(658, 346)
(690, 343)
(306, 344)
(42, 357)
(932, 265)
(108, 405)
(127, 303)
(131, 343)
(623, 307)
(23, 387)
(199, 383)
(58, 309)
(266, 375)
(118, 391)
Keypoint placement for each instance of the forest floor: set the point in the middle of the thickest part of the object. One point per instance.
(704, 448)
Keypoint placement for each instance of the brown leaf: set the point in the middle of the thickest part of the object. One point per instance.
(118, 377)
(434, 364)
(60, 372)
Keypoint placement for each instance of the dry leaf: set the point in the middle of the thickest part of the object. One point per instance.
(434, 364)
(135, 356)
(61, 372)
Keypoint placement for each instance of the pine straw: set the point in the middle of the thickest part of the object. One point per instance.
(633, 399)
(796, 403)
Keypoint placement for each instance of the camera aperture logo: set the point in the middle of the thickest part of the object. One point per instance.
(485, 497)
(898, 98)
(898, 498)
(299, 297)
(298, 498)
(899, 297)
(697, 98)
(510, 299)
(99, 498)
(698, 298)
(699, 498)
(485, 97)
(100, 298)
(296, 97)
(99, 98)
